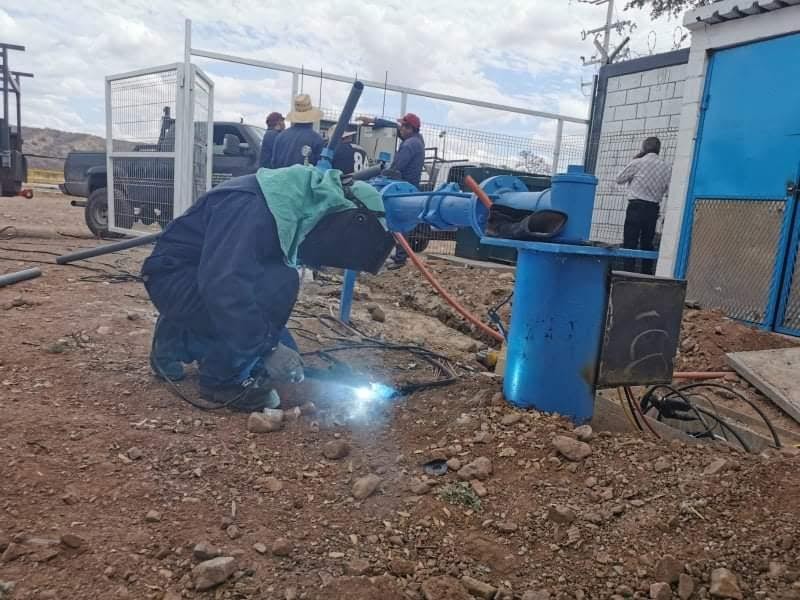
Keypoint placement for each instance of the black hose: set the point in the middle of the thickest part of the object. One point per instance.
(368, 173)
(741, 396)
(108, 248)
(345, 116)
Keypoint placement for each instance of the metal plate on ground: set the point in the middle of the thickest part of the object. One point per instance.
(642, 329)
(774, 373)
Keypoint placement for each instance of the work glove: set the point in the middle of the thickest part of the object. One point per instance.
(283, 365)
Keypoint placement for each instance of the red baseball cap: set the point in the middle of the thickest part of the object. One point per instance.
(274, 118)
(412, 120)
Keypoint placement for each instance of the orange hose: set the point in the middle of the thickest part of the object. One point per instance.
(476, 189)
(444, 293)
(697, 375)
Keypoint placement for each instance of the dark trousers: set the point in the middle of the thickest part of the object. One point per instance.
(640, 230)
(186, 332)
(400, 255)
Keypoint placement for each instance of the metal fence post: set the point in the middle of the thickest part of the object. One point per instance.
(295, 89)
(403, 103)
(557, 146)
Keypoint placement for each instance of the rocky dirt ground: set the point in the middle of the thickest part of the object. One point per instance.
(111, 487)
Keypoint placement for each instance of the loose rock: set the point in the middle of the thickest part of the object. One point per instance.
(6, 589)
(377, 314)
(135, 453)
(558, 513)
(668, 570)
(662, 464)
(205, 551)
(281, 547)
(152, 516)
(233, 532)
(724, 584)
(480, 468)
(213, 572)
(571, 449)
(336, 449)
(506, 526)
(584, 433)
(273, 485)
(536, 595)
(357, 567)
(365, 486)
(70, 540)
(14, 551)
(716, 466)
(261, 423)
(444, 588)
(507, 420)
(401, 567)
(260, 548)
(478, 588)
(660, 591)
(419, 487)
(454, 464)
(685, 586)
(479, 489)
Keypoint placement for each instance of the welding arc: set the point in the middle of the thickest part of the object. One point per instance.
(444, 293)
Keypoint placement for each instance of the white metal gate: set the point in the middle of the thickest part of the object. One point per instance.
(158, 145)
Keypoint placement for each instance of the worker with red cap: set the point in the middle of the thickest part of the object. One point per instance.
(275, 124)
(408, 161)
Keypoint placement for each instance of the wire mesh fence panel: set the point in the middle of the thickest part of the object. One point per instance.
(791, 316)
(200, 114)
(731, 261)
(141, 123)
(615, 151)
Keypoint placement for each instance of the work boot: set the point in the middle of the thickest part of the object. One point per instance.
(165, 352)
(244, 398)
(393, 266)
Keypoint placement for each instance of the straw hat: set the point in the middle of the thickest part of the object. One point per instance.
(304, 111)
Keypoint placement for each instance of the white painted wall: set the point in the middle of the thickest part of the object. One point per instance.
(706, 38)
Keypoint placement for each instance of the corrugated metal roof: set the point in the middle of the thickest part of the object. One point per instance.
(728, 10)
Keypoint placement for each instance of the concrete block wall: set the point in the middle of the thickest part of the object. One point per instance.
(646, 100)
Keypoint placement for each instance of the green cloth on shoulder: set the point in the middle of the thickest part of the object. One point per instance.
(300, 196)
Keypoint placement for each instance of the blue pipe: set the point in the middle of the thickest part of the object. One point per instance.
(346, 299)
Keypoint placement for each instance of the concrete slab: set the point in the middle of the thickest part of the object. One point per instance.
(774, 373)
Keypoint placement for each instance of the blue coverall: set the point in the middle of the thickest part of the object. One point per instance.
(288, 148)
(218, 278)
(267, 145)
(409, 160)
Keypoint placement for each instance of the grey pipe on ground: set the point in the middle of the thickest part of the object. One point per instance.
(16, 277)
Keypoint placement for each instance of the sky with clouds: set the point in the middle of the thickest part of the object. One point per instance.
(524, 53)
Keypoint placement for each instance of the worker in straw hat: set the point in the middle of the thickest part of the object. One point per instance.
(300, 143)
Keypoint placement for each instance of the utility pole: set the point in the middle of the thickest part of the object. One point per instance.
(605, 55)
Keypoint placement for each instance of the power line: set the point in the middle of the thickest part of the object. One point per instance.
(605, 55)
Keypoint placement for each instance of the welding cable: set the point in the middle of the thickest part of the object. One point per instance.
(443, 293)
(742, 397)
(628, 415)
(630, 403)
(494, 317)
(648, 400)
(636, 407)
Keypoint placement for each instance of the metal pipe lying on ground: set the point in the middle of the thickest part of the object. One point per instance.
(107, 249)
(18, 276)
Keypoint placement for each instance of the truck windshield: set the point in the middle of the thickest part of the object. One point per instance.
(257, 132)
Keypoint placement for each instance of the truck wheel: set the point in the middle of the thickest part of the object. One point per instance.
(420, 237)
(96, 213)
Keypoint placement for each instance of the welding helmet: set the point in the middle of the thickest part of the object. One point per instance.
(355, 238)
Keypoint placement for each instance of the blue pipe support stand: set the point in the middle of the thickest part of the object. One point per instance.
(557, 321)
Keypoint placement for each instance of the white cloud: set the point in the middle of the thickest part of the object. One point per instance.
(448, 47)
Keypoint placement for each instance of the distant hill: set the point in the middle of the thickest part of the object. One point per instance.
(56, 144)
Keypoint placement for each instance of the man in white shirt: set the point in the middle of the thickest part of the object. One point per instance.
(647, 177)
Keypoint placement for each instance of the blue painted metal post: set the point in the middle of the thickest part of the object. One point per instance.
(554, 337)
(346, 299)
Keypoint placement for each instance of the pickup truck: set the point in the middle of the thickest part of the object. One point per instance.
(235, 152)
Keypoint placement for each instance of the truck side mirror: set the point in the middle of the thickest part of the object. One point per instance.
(230, 145)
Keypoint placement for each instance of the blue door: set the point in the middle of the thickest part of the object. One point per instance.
(739, 246)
